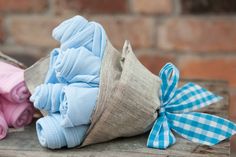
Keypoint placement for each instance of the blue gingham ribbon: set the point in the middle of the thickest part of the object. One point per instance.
(176, 114)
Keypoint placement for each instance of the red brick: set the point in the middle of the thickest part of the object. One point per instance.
(23, 5)
(215, 7)
(33, 30)
(151, 6)
(139, 31)
(213, 68)
(155, 62)
(198, 35)
(1, 31)
(36, 30)
(92, 6)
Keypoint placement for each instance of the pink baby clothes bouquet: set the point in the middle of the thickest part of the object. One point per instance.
(16, 110)
(3, 126)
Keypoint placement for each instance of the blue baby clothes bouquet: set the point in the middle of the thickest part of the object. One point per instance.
(89, 92)
(70, 89)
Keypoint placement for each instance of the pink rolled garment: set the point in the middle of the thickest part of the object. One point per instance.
(12, 85)
(3, 126)
(17, 115)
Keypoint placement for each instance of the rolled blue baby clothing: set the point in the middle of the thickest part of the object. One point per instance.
(78, 103)
(71, 86)
(51, 74)
(78, 65)
(69, 28)
(54, 136)
(47, 97)
(77, 32)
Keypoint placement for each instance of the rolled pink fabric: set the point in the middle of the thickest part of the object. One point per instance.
(3, 126)
(12, 85)
(17, 115)
(15, 109)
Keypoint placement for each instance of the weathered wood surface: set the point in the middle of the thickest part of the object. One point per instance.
(25, 143)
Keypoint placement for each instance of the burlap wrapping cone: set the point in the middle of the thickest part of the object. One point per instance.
(128, 98)
(35, 74)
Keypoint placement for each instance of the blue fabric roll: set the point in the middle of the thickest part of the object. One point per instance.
(78, 65)
(77, 32)
(51, 74)
(69, 28)
(47, 97)
(78, 103)
(52, 135)
(70, 90)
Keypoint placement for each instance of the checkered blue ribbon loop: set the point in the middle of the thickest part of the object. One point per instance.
(176, 114)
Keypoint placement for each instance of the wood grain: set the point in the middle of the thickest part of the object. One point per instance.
(24, 143)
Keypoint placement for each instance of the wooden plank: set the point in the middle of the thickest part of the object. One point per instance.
(24, 142)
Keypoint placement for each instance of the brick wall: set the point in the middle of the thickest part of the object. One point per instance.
(198, 36)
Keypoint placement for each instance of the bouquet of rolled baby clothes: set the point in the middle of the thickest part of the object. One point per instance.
(89, 92)
(15, 108)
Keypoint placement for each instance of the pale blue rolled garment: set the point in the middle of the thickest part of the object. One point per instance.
(78, 65)
(52, 135)
(75, 32)
(47, 97)
(51, 75)
(91, 36)
(74, 25)
(77, 104)
(69, 28)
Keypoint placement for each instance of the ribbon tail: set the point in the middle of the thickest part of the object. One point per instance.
(201, 128)
(160, 136)
(191, 97)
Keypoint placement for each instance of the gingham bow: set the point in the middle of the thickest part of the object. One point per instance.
(176, 114)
